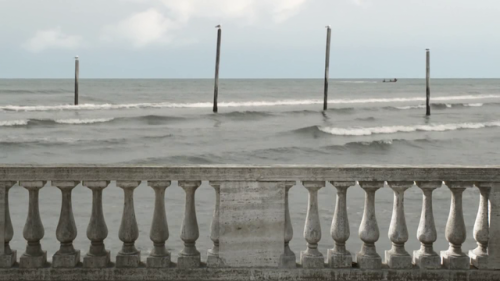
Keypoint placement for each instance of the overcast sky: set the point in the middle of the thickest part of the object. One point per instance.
(260, 38)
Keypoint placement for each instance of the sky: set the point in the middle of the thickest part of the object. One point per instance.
(260, 38)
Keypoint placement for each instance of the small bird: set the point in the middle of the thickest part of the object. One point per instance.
(327, 26)
(217, 26)
(76, 57)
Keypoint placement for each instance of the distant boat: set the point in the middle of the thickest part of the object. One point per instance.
(391, 80)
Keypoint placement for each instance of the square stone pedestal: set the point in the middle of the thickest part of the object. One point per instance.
(33, 262)
(7, 261)
(309, 261)
(336, 260)
(398, 261)
(156, 262)
(455, 262)
(128, 260)
(213, 260)
(65, 260)
(426, 261)
(188, 261)
(369, 262)
(92, 261)
(480, 262)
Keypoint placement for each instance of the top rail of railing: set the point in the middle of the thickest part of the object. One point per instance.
(251, 173)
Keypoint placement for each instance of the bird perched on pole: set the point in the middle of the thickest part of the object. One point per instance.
(218, 26)
(328, 27)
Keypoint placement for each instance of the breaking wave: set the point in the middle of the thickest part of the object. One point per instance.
(405, 129)
(233, 104)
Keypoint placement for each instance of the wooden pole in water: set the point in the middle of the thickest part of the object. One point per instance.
(77, 74)
(327, 66)
(427, 82)
(217, 59)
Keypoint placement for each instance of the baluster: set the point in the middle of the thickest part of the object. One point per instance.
(159, 256)
(213, 259)
(338, 256)
(454, 258)
(397, 256)
(33, 232)
(189, 257)
(479, 256)
(66, 230)
(129, 256)
(287, 259)
(425, 257)
(97, 231)
(311, 257)
(368, 230)
(7, 256)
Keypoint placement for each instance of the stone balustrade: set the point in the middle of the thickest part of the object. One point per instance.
(251, 227)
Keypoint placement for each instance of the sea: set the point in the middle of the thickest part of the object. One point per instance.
(260, 121)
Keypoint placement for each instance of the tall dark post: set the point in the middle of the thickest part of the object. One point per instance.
(217, 59)
(427, 82)
(327, 65)
(77, 74)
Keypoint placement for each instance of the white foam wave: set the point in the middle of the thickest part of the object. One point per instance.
(83, 121)
(411, 106)
(405, 129)
(11, 123)
(473, 104)
(106, 106)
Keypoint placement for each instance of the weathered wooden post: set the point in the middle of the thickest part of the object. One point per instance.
(427, 82)
(327, 65)
(217, 59)
(77, 74)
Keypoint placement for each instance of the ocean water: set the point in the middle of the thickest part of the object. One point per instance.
(259, 122)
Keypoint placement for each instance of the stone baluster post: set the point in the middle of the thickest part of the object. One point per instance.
(339, 257)
(311, 257)
(7, 256)
(397, 257)
(479, 256)
(33, 232)
(368, 258)
(494, 231)
(66, 230)
(425, 257)
(213, 259)
(97, 231)
(129, 256)
(287, 259)
(189, 257)
(454, 258)
(159, 256)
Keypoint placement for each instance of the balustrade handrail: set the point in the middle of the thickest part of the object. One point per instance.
(251, 172)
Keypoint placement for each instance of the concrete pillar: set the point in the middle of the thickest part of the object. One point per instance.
(454, 258)
(288, 258)
(97, 231)
(213, 259)
(129, 256)
(159, 256)
(66, 230)
(33, 232)
(479, 256)
(494, 219)
(426, 258)
(311, 257)
(368, 258)
(338, 256)
(7, 256)
(397, 257)
(189, 257)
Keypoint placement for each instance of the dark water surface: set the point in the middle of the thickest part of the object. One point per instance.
(259, 122)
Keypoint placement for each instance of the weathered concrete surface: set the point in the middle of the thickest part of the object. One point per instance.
(252, 173)
(252, 223)
(254, 274)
